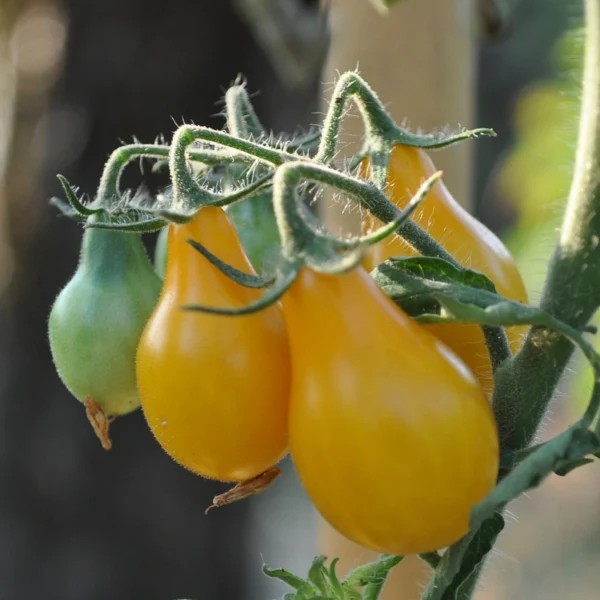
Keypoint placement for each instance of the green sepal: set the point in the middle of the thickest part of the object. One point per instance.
(240, 277)
(67, 210)
(294, 581)
(317, 574)
(77, 206)
(334, 581)
(373, 572)
(286, 275)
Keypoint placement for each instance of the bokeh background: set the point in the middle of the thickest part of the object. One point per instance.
(77, 77)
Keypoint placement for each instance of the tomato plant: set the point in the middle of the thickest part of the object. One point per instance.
(390, 431)
(214, 390)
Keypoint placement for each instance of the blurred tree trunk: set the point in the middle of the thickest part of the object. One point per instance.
(77, 523)
(420, 61)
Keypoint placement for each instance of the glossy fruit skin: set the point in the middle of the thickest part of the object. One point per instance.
(96, 321)
(390, 433)
(465, 238)
(214, 389)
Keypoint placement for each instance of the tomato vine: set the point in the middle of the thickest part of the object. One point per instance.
(234, 324)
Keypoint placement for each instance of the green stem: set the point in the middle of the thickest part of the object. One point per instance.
(296, 234)
(448, 568)
(376, 119)
(572, 289)
(241, 117)
(431, 558)
(497, 344)
(381, 130)
(188, 195)
(369, 196)
(108, 190)
(188, 134)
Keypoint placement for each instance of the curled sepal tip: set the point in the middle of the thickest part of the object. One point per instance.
(241, 118)
(245, 279)
(76, 204)
(440, 140)
(285, 277)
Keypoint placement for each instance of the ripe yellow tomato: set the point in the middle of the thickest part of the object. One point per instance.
(465, 238)
(390, 433)
(214, 389)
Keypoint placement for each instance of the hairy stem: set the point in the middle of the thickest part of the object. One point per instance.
(572, 289)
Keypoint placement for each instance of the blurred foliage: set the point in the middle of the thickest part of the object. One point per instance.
(536, 175)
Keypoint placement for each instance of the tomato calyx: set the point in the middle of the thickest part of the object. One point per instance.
(244, 279)
(303, 243)
(244, 489)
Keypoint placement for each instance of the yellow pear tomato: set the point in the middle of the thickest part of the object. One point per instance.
(390, 433)
(214, 389)
(471, 243)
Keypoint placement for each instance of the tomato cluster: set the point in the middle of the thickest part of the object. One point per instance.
(387, 421)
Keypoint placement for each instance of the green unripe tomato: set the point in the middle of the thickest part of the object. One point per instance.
(160, 252)
(97, 319)
(255, 222)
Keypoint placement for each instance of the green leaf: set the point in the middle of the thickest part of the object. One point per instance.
(564, 467)
(447, 569)
(317, 574)
(77, 205)
(414, 282)
(571, 445)
(292, 580)
(240, 277)
(67, 209)
(373, 572)
(333, 578)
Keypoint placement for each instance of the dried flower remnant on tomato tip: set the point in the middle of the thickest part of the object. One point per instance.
(99, 421)
(243, 489)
